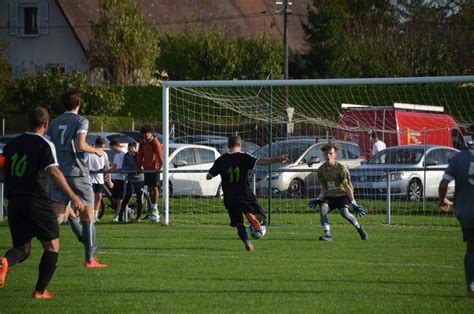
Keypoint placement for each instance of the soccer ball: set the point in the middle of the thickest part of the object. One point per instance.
(257, 234)
(154, 217)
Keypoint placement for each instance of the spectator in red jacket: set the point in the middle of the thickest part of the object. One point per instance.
(150, 157)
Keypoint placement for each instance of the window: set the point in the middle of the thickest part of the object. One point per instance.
(187, 155)
(206, 156)
(28, 20)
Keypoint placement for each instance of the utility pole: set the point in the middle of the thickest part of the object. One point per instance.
(286, 11)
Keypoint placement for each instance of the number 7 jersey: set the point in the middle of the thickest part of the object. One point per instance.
(234, 170)
(62, 131)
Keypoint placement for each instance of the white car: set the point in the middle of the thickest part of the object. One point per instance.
(189, 157)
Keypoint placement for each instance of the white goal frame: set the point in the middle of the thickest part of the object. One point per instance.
(269, 83)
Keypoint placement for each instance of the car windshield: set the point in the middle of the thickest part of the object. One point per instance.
(293, 149)
(402, 156)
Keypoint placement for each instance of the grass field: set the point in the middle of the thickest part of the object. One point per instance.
(204, 268)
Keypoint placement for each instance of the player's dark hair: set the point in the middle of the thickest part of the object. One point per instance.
(114, 142)
(132, 144)
(147, 128)
(71, 98)
(328, 146)
(233, 141)
(373, 134)
(37, 117)
(99, 141)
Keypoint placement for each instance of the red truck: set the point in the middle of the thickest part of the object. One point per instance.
(400, 124)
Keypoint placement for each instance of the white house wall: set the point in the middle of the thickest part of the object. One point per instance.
(58, 46)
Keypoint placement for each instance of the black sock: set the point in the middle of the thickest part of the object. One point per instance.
(242, 232)
(15, 256)
(47, 267)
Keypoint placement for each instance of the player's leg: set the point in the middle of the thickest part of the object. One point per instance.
(126, 198)
(323, 213)
(21, 231)
(151, 180)
(60, 201)
(343, 205)
(138, 190)
(468, 235)
(237, 221)
(118, 194)
(97, 188)
(12, 257)
(46, 269)
(46, 228)
(74, 223)
(83, 189)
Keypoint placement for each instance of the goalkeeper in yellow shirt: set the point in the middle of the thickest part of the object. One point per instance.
(336, 193)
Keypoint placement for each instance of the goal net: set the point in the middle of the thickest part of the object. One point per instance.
(296, 118)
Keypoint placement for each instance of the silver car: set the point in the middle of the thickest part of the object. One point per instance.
(415, 170)
(299, 177)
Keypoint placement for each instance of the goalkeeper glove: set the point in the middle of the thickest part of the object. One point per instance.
(317, 201)
(359, 210)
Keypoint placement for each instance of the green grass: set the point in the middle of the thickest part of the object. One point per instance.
(204, 268)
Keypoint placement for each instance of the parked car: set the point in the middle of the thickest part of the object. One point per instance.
(305, 157)
(109, 136)
(192, 157)
(8, 137)
(222, 147)
(193, 139)
(407, 166)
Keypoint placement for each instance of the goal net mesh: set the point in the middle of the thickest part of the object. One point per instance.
(295, 119)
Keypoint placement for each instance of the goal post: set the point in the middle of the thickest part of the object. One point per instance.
(258, 110)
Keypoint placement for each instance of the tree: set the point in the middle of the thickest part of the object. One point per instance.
(122, 44)
(5, 77)
(384, 38)
(210, 55)
(326, 36)
(45, 89)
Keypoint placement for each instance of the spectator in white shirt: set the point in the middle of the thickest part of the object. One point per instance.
(97, 163)
(377, 145)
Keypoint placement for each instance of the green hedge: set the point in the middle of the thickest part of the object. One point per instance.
(142, 102)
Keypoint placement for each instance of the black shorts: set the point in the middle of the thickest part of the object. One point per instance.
(337, 202)
(118, 192)
(151, 179)
(237, 208)
(29, 218)
(467, 234)
(97, 187)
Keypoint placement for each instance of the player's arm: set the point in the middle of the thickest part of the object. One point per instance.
(266, 161)
(83, 146)
(444, 203)
(58, 178)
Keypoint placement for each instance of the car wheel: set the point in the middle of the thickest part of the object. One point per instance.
(295, 189)
(415, 190)
(170, 189)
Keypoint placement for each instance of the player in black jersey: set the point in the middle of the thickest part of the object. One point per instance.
(29, 160)
(239, 200)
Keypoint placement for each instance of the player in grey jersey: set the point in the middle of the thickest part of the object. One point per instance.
(461, 170)
(68, 133)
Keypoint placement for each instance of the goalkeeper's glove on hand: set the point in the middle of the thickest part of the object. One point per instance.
(313, 203)
(359, 210)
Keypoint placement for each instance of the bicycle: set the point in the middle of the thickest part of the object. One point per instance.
(130, 209)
